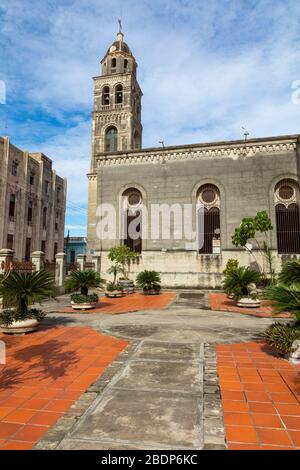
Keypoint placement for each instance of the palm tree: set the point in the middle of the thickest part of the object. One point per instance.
(290, 273)
(285, 298)
(115, 269)
(83, 280)
(238, 279)
(149, 281)
(23, 290)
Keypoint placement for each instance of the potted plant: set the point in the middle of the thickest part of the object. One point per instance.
(122, 256)
(83, 281)
(20, 292)
(242, 282)
(149, 281)
(114, 290)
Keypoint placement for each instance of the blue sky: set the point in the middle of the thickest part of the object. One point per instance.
(206, 70)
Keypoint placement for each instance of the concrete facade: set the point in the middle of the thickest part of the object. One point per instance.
(33, 202)
(246, 175)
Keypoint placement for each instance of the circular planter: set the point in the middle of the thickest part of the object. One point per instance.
(20, 327)
(114, 293)
(151, 292)
(128, 286)
(247, 302)
(85, 306)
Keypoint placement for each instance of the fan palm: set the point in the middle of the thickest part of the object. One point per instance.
(238, 279)
(22, 290)
(83, 281)
(285, 298)
(148, 280)
(290, 272)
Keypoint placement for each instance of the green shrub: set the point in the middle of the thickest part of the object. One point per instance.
(84, 299)
(111, 286)
(7, 317)
(285, 298)
(230, 265)
(83, 281)
(238, 279)
(149, 281)
(290, 273)
(281, 337)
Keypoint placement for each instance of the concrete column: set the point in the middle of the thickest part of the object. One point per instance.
(81, 260)
(96, 260)
(38, 260)
(6, 259)
(60, 270)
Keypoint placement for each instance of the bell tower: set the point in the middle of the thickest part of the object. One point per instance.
(117, 103)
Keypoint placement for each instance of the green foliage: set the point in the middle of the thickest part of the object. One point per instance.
(84, 299)
(290, 273)
(23, 290)
(230, 265)
(83, 281)
(112, 286)
(262, 222)
(7, 317)
(122, 255)
(249, 226)
(116, 269)
(149, 280)
(281, 337)
(238, 279)
(285, 298)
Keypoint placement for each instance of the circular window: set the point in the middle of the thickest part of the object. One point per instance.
(134, 199)
(286, 192)
(208, 195)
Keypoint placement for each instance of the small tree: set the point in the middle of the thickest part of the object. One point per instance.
(115, 269)
(248, 230)
(122, 255)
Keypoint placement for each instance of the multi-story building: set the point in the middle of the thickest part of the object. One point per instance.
(32, 203)
(74, 246)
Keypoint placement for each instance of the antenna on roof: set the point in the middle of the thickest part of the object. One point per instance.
(162, 142)
(246, 133)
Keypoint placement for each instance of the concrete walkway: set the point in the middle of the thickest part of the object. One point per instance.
(163, 393)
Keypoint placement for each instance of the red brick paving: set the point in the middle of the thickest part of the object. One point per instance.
(46, 372)
(260, 398)
(219, 301)
(131, 303)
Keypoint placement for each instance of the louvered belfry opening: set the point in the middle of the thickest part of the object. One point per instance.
(287, 217)
(133, 215)
(209, 228)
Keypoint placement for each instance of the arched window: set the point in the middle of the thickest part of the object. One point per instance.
(208, 207)
(136, 140)
(132, 205)
(105, 96)
(287, 216)
(45, 217)
(111, 140)
(119, 94)
(125, 65)
(113, 65)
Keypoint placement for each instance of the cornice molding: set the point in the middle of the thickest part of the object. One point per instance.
(202, 151)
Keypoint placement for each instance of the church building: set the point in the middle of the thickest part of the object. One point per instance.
(229, 180)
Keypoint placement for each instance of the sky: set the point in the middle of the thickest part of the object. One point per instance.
(206, 69)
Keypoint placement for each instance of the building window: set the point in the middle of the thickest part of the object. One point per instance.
(45, 218)
(119, 94)
(136, 140)
(111, 140)
(125, 65)
(208, 207)
(55, 250)
(287, 217)
(132, 205)
(31, 178)
(113, 65)
(105, 96)
(28, 249)
(29, 213)
(47, 188)
(12, 206)
(72, 256)
(14, 170)
(56, 220)
(43, 246)
(10, 242)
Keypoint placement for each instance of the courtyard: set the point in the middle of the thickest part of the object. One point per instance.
(161, 372)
